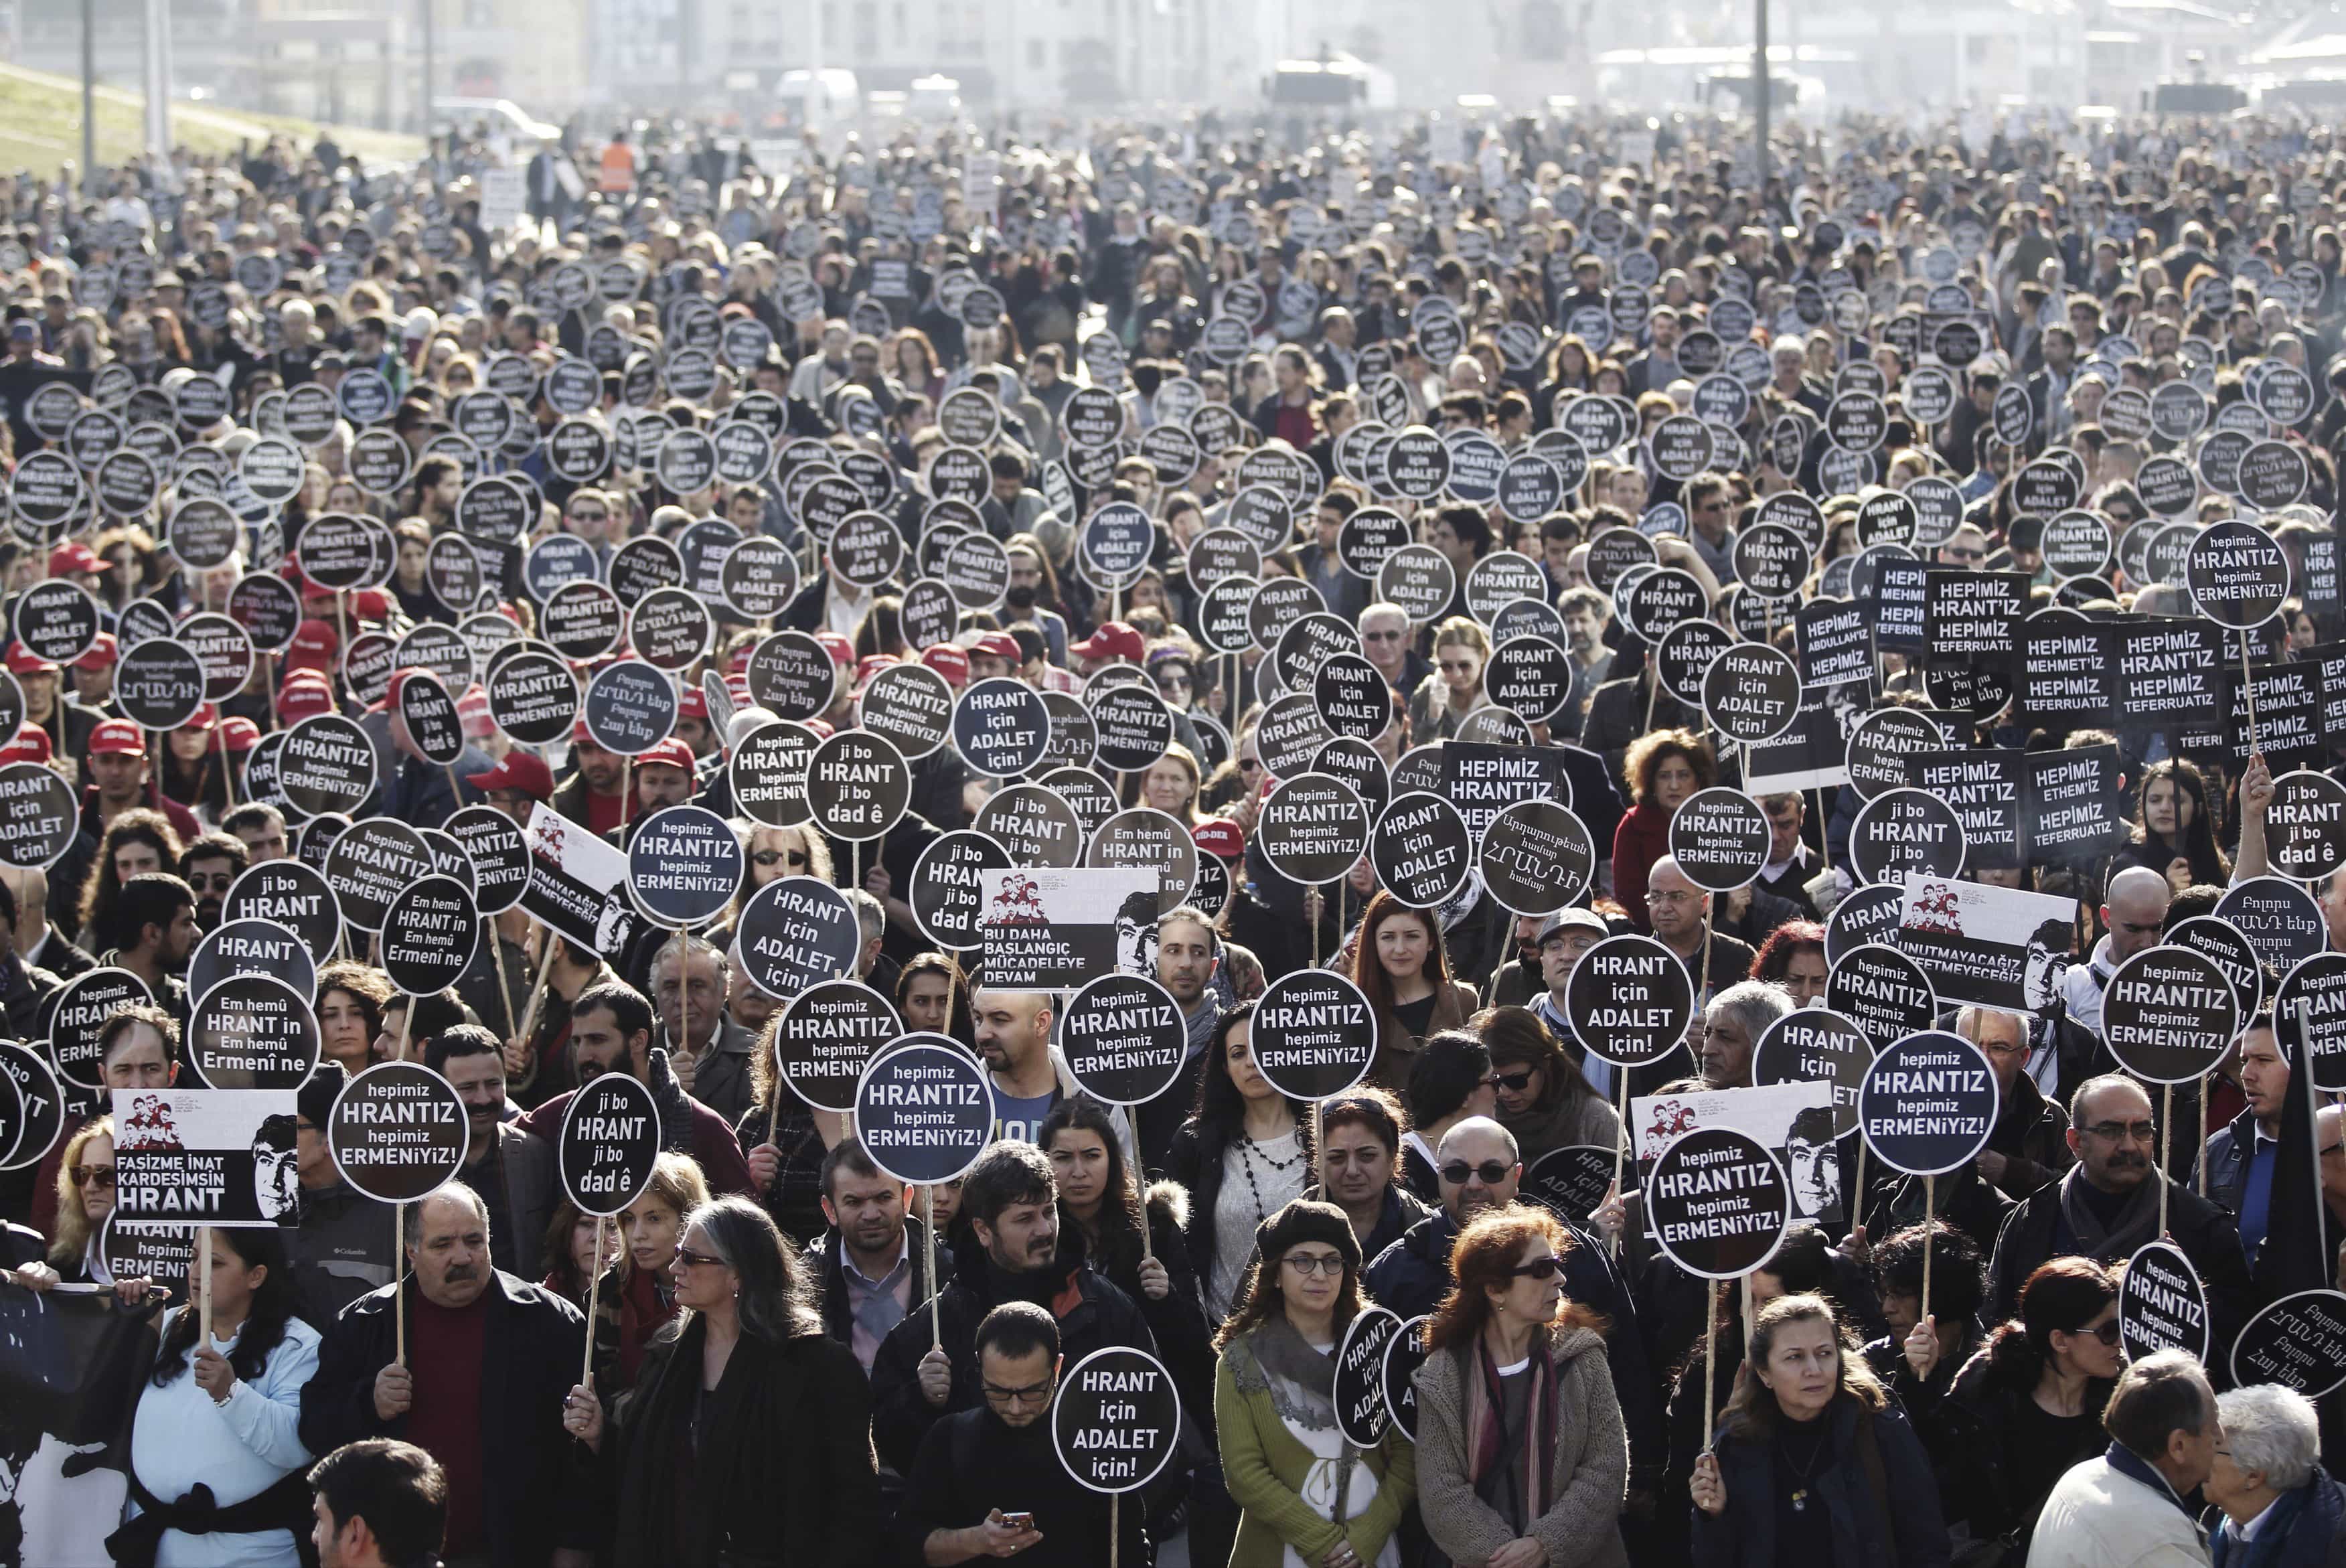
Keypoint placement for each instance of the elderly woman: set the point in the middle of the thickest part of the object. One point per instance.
(1814, 1465)
(1522, 1458)
(2278, 1507)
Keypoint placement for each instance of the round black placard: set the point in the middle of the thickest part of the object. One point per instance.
(2162, 1305)
(1117, 1419)
(1717, 1202)
(1630, 1000)
(685, 865)
(1720, 838)
(398, 1131)
(1314, 1034)
(795, 932)
(608, 1142)
(252, 1032)
(1122, 1039)
(1928, 1102)
(2168, 1014)
(1420, 850)
(923, 1111)
(1537, 857)
(827, 1036)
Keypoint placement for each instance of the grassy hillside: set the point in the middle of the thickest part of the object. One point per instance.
(40, 126)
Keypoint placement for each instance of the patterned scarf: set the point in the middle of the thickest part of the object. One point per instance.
(1531, 1454)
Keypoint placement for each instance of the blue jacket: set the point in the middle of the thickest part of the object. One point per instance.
(2307, 1530)
(2229, 1153)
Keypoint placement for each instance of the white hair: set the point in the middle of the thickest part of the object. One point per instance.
(1753, 1003)
(2271, 1430)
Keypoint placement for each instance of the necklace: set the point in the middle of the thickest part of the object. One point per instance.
(1802, 1472)
(1248, 1155)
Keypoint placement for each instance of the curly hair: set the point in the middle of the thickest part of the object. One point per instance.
(146, 825)
(1650, 751)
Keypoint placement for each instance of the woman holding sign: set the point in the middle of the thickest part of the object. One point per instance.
(1284, 1457)
(225, 1417)
(1814, 1465)
(1522, 1458)
(1663, 767)
(1242, 1153)
(748, 1428)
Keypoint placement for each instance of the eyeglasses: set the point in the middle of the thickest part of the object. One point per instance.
(1545, 1268)
(1381, 637)
(220, 882)
(1955, 554)
(692, 1259)
(775, 856)
(2114, 1132)
(1032, 1394)
(1517, 1082)
(91, 1175)
(1491, 1172)
(1330, 1264)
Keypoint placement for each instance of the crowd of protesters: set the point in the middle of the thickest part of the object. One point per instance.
(792, 1357)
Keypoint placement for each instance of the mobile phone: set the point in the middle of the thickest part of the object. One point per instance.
(1019, 1520)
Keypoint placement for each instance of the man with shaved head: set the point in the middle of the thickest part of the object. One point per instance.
(2133, 917)
(1013, 1037)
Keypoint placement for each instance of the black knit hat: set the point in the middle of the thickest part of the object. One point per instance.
(316, 1098)
(1307, 1219)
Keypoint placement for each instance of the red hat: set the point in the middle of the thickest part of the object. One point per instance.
(116, 737)
(300, 699)
(1113, 640)
(371, 605)
(206, 720)
(997, 644)
(520, 770)
(239, 734)
(73, 557)
(101, 654)
(669, 753)
(31, 745)
(473, 707)
(737, 686)
(869, 666)
(23, 660)
(314, 646)
(310, 587)
(690, 704)
(842, 651)
(1219, 836)
(821, 728)
(948, 661)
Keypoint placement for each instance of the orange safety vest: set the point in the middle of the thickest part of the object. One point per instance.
(619, 167)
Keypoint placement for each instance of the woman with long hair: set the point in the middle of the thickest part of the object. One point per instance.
(1244, 1152)
(1520, 1441)
(218, 1470)
(2175, 828)
(85, 1198)
(1402, 967)
(1663, 767)
(1545, 1099)
(637, 1296)
(2029, 1404)
(195, 766)
(136, 842)
(571, 1259)
(933, 995)
(1100, 1201)
(748, 1425)
(1813, 1464)
(1284, 1457)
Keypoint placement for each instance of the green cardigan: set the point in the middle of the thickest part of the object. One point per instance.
(1263, 1466)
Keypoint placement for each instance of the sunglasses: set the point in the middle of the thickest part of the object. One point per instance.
(1546, 1267)
(1491, 1172)
(1517, 1082)
(775, 856)
(91, 1175)
(2107, 1333)
(691, 1259)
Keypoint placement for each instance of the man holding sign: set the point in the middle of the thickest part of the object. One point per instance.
(490, 1359)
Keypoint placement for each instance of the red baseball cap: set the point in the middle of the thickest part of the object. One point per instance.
(842, 651)
(948, 661)
(72, 557)
(690, 704)
(1221, 837)
(522, 771)
(206, 720)
(669, 753)
(239, 734)
(31, 745)
(473, 707)
(371, 605)
(1113, 640)
(869, 666)
(116, 737)
(23, 660)
(101, 654)
(314, 646)
(300, 699)
(997, 644)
